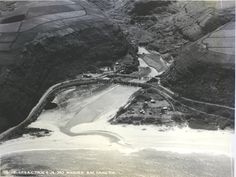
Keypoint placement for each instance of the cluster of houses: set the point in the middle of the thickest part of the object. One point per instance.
(114, 68)
(164, 109)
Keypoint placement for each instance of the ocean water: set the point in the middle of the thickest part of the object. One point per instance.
(146, 163)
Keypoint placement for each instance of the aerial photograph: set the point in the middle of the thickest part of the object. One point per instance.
(117, 88)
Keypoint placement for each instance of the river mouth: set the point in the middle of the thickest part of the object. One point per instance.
(84, 123)
(81, 135)
(88, 144)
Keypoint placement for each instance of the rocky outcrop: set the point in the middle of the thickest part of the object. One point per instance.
(48, 54)
(198, 19)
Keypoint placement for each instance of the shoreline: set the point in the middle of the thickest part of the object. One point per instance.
(27, 144)
(100, 129)
(129, 138)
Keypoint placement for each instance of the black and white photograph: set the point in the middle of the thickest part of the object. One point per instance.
(117, 88)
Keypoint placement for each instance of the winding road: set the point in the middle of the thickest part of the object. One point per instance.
(83, 140)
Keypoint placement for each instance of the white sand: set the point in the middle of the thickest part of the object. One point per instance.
(142, 50)
(98, 134)
(83, 124)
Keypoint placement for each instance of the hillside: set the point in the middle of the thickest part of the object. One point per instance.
(205, 69)
(199, 35)
(47, 42)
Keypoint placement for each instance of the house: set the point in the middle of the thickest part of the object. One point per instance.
(86, 76)
(142, 111)
(153, 101)
(164, 110)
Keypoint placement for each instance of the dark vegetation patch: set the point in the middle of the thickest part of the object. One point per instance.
(149, 7)
(16, 18)
(200, 120)
(206, 83)
(33, 132)
(50, 105)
